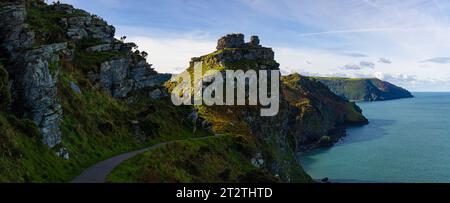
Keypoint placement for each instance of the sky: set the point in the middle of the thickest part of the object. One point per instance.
(404, 42)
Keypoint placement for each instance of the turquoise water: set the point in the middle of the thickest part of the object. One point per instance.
(407, 140)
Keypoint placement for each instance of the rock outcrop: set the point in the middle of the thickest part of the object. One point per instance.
(80, 24)
(33, 83)
(123, 75)
(310, 115)
(62, 73)
(237, 41)
(33, 59)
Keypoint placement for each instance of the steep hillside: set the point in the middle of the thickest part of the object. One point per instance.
(310, 116)
(73, 95)
(359, 89)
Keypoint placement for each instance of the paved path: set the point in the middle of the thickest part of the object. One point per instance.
(99, 171)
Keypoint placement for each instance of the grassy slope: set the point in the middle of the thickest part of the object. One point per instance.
(225, 155)
(304, 91)
(212, 160)
(95, 126)
(363, 88)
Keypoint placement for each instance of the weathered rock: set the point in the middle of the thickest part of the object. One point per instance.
(99, 48)
(63, 153)
(36, 91)
(231, 41)
(113, 77)
(33, 72)
(123, 75)
(156, 94)
(14, 34)
(307, 112)
(258, 160)
(80, 24)
(75, 87)
(254, 41)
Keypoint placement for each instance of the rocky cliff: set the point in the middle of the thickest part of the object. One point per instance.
(310, 114)
(72, 95)
(36, 38)
(360, 89)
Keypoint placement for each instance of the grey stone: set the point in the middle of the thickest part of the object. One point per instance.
(75, 87)
(14, 34)
(113, 77)
(33, 85)
(254, 41)
(36, 91)
(99, 48)
(81, 24)
(231, 41)
(258, 160)
(122, 75)
(63, 153)
(156, 94)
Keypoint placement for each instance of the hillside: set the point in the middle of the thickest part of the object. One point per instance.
(310, 116)
(73, 95)
(362, 89)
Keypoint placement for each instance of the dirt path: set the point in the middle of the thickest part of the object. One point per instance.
(99, 171)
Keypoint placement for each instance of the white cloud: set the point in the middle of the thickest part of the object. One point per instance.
(384, 60)
(172, 55)
(439, 60)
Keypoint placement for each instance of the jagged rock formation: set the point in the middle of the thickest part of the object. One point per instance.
(33, 84)
(360, 89)
(68, 83)
(310, 114)
(237, 41)
(33, 56)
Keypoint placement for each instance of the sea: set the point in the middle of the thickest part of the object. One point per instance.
(407, 141)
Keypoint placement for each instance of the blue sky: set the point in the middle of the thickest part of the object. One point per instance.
(405, 42)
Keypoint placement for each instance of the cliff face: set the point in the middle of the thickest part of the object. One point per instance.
(36, 38)
(72, 95)
(310, 114)
(370, 89)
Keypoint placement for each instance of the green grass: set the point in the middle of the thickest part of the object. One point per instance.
(211, 160)
(95, 126)
(341, 78)
(45, 22)
(91, 61)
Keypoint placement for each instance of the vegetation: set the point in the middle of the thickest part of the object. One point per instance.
(5, 95)
(215, 159)
(44, 21)
(365, 89)
(91, 61)
(96, 126)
